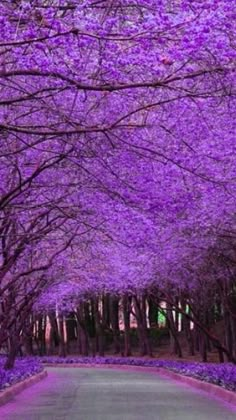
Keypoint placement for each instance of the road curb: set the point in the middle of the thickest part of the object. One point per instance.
(215, 390)
(9, 393)
(212, 389)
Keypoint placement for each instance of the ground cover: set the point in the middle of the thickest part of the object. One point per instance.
(223, 374)
(24, 368)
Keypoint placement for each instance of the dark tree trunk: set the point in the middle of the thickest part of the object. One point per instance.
(90, 325)
(82, 334)
(203, 346)
(54, 338)
(99, 328)
(41, 335)
(71, 327)
(221, 356)
(114, 317)
(106, 310)
(196, 338)
(82, 341)
(27, 336)
(175, 345)
(233, 328)
(62, 344)
(152, 313)
(140, 312)
(187, 331)
(126, 315)
(228, 334)
(13, 348)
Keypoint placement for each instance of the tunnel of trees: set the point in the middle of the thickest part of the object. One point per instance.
(117, 178)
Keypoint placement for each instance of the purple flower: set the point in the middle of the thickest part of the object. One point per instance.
(24, 368)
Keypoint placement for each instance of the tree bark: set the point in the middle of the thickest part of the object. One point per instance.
(114, 317)
(54, 333)
(126, 316)
(99, 328)
(175, 345)
(62, 344)
(13, 347)
(140, 312)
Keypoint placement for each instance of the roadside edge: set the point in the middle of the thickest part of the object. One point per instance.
(7, 394)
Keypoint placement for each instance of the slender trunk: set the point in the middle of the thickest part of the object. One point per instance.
(114, 317)
(196, 338)
(82, 335)
(27, 336)
(90, 325)
(140, 312)
(71, 326)
(175, 345)
(99, 329)
(82, 341)
(106, 310)
(126, 316)
(62, 344)
(187, 331)
(203, 346)
(54, 333)
(228, 334)
(41, 335)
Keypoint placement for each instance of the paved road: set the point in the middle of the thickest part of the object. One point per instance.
(108, 394)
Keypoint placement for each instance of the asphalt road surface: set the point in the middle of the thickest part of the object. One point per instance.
(110, 394)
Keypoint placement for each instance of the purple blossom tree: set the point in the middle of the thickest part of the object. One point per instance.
(117, 154)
